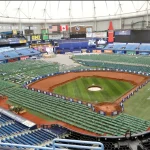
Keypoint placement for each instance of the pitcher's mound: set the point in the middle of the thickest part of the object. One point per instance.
(94, 88)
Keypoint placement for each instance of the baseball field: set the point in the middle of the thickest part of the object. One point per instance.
(109, 89)
(139, 104)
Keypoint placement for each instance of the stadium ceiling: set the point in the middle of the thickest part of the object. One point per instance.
(66, 11)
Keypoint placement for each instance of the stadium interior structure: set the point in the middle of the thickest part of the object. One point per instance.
(75, 75)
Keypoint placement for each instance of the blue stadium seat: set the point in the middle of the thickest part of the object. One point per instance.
(132, 46)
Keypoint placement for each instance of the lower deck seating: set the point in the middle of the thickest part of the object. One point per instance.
(109, 145)
(73, 113)
(144, 145)
(11, 128)
(34, 137)
(58, 130)
(4, 119)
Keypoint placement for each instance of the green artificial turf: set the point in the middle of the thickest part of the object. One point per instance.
(111, 89)
(139, 104)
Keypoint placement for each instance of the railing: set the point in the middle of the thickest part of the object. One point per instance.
(97, 145)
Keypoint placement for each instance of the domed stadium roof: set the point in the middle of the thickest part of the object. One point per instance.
(63, 11)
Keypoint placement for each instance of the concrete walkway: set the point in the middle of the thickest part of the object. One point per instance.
(62, 59)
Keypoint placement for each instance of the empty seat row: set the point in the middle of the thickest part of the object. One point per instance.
(128, 46)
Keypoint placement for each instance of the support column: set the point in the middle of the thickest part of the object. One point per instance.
(45, 20)
(19, 20)
(70, 16)
(147, 14)
(95, 22)
(120, 17)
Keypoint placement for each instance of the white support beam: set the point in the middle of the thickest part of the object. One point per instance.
(33, 9)
(95, 22)
(19, 20)
(70, 16)
(28, 9)
(147, 14)
(6, 8)
(120, 15)
(82, 8)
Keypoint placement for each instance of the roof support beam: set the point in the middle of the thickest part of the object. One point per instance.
(120, 15)
(147, 14)
(107, 7)
(70, 15)
(133, 5)
(28, 9)
(142, 6)
(33, 8)
(19, 20)
(95, 22)
(6, 7)
(82, 7)
(58, 8)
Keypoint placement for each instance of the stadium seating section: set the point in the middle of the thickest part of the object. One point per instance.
(73, 113)
(70, 112)
(58, 130)
(144, 145)
(14, 132)
(9, 53)
(132, 46)
(57, 108)
(74, 45)
(128, 46)
(126, 62)
(26, 70)
(108, 145)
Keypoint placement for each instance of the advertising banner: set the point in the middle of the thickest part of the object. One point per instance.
(22, 41)
(97, 51)
(89, 34)
(24, 57)
(88, 30)
(123, 32)
(14, 32)
(44, 31)
(100, 34)
(13, 60)
(108, 51)
(66, 35)
(4, 41)
(55, 36)
(131, 52)
(45, 37)
(81, 29)
(36, 37)
(13, 40)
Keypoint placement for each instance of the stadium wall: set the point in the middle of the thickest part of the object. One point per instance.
(127, 23)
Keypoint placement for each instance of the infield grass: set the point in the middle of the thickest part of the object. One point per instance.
(111, 89)
(139, 104)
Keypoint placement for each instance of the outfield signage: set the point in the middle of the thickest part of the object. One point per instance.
(123, 32)
(36, 37)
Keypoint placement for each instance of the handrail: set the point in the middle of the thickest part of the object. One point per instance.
(26, 146)
(100, 146)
